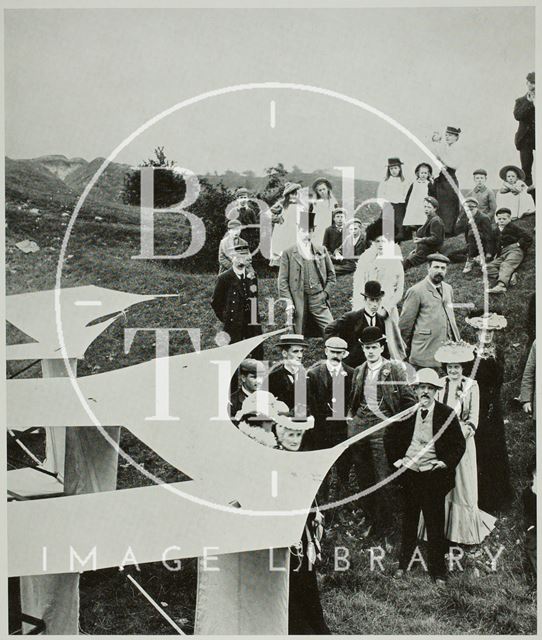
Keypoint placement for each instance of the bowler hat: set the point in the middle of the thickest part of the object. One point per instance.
(394, 162)
(455, 130)
(432, 201)
(290, 187)
(511, 167)
(291, 340)
(322, 181)
(336, 343)
(481, 172)
(428, 376)
(370, 335)
(373, 289)
(438, 257)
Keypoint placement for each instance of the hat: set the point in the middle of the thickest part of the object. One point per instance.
(320, 181)
(338, 210)
(455, 130)
(428, 376)
(454, 353)
(291, 339)
(374, 230)
(424, 164)
(372, 289)
(530, 77)
(352, 221)
(234, 224)
(481, 172)
(290, 187)
(438, 257)
(471, 199)
(511, 167)
(241, 191)
(394, 162)
(487, 321)
(250, 365)
(503, 210)
(241, 249)
(370, 335)
(432, 201)
(336, 343)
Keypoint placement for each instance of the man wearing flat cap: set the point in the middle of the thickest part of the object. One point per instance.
(235, 299)
(287, 379)
(380, 390)
(427, 318)
(250, 380)
(350, 325)
(429, 237)
(476, 226)
(425, 449)
(525, 135)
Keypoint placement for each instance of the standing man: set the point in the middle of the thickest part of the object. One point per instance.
(306, 279)
(247, 214)
(429, 237)
(227, 245)
(525, 135)
(379, 391)
(428, 319)
(350, 326)
(250, 380)
(235, 299)
(287, 379)
(428, 446)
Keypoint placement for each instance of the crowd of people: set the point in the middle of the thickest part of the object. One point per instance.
(395, 365)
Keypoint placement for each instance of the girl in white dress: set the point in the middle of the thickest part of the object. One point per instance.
(393, 189)
(420, 188)
(382, 262)
(513, 193)
(322, 208)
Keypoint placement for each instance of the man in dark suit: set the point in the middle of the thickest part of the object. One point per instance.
(353, 245)
(427, 447)
(350, 325)
(235, 299)
(525, 135)
(250, 380)
(379, 391)
(287, 379)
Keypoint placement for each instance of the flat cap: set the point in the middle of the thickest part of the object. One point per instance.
(438, 257)
(336, 343)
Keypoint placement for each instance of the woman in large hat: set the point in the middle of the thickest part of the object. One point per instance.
(382, 261)
(513, 193)
(446, 183)
(494, 489)
(322, 207)
(465, 522)
(286, 218)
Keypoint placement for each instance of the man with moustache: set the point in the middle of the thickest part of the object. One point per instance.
(426, 447)
(287, 379)
(427, 319)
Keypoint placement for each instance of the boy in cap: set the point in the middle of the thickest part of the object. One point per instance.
(511, 245)
(425, 448)
(429, 237)
(333, 236)
(484, 196)
(476, 226)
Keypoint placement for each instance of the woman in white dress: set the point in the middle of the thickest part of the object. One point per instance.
(513, 193)
(322, 208)
(420, 188)
(286, 218)
(382, 262)
(465, 522)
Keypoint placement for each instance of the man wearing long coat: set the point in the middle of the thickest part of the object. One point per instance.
(524, 113)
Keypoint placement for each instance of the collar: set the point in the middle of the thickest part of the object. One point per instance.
(480, 188)
(333, 369)
(375, 366)
(245, 391)
(434, 285)
(429, 409)
(239, 273)
(290, 369)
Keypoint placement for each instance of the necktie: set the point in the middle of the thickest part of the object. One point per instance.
(370, 320)
(424, 413)
(439, 290)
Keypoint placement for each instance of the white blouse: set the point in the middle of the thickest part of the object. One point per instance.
(393, 190)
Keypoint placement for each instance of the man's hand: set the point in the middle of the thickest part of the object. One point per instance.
(528, 408)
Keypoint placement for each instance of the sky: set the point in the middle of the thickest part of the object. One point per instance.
(79, 82)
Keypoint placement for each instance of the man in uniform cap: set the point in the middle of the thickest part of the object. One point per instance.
(250, 380)
(525, 135)
(235, 299)
(379, 391)
(477, 226)
(427, 447)
(287, 379)
(427, 318)
(429, 237)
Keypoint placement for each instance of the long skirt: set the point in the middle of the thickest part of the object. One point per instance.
(448, 200)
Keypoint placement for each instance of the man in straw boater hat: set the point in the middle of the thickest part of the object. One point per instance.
(350, 325)
(287, 379)
(380, 390)
(429, 237)
(235, 299)
(427, 318)
(425, 448)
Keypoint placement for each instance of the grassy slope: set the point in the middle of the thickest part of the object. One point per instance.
(356, 601)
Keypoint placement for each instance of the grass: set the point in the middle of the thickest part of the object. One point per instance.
(355, 601)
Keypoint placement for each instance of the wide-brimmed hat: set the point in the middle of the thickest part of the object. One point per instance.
(438, 257)
(260, 404)
(424, 164)
(455, 130)
(487, 322)
(428, 376)
(373, 289)
(394, 162)
(322, 181)
(511, 167)
(370, 335)
(454, 353)
(291, 340)
(336, 343)
(290, 187)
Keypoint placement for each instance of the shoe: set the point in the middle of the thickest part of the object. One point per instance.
(398, 573)
(468, 267)
(498, 288)
(514, 279)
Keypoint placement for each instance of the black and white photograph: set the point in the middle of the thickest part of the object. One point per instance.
(270, 319)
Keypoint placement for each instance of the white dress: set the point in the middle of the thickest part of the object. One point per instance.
(415, 214)
(519, 204)
(393, 190)
(322, 217)
(390, 273)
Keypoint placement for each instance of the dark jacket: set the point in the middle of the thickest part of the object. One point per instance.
(483, 225)
(236, 401)
(333, 238)
(326, 433)
(349, 327)
(432, 233)
(449, 445)
(348, 265)
(280, 384)
(231, 300)
(524, 114)
(511, 234)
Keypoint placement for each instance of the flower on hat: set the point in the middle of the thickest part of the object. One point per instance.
(267, 438)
